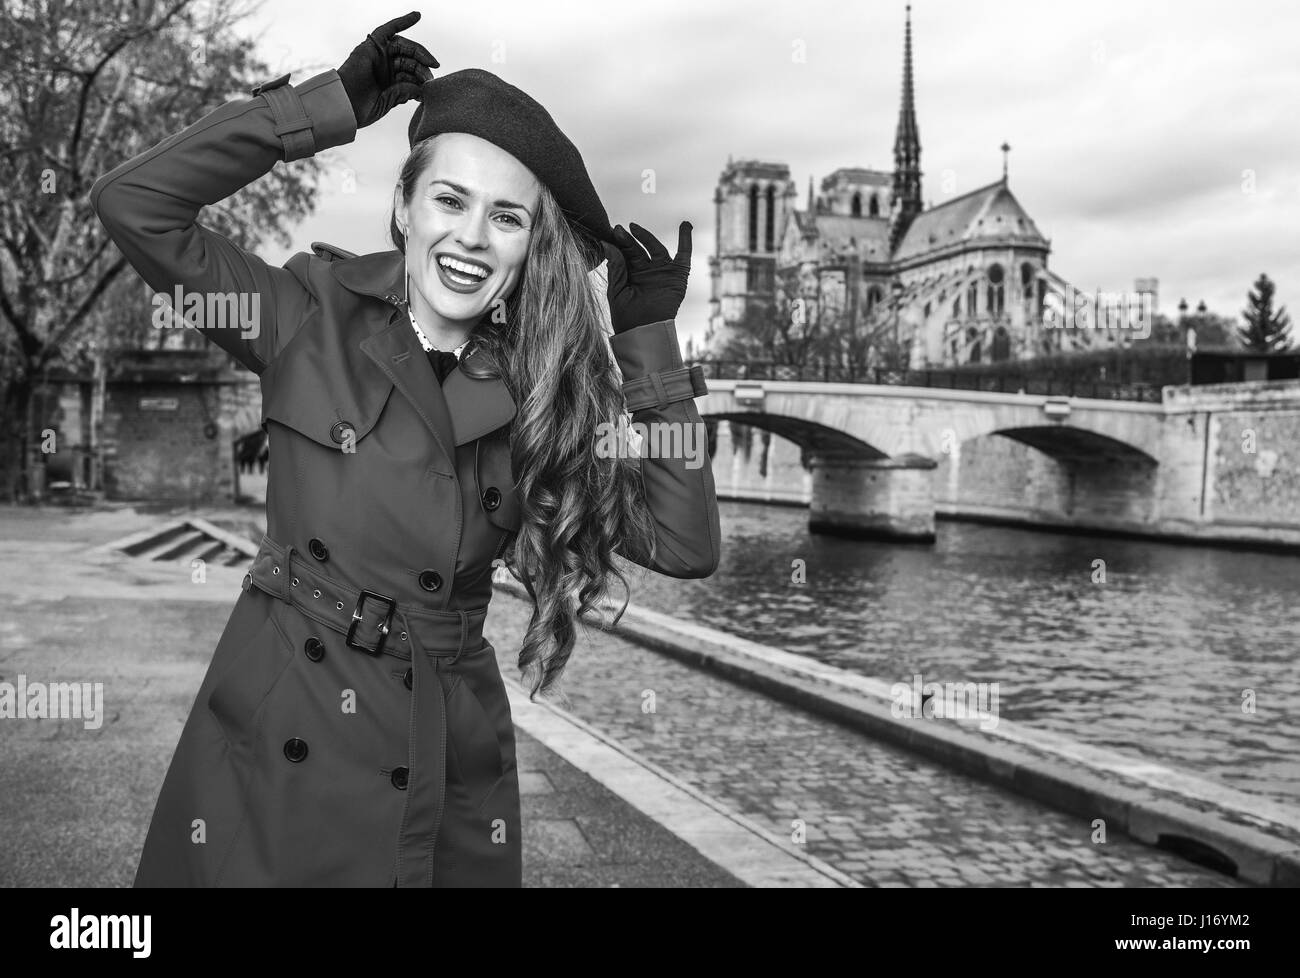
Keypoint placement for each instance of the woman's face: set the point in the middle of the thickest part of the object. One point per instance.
(474, 204)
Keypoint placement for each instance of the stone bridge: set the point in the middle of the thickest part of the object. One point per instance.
(874, 450)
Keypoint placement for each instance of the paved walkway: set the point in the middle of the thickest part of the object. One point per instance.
(74, 803)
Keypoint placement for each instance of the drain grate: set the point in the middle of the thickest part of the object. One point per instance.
(186, 540)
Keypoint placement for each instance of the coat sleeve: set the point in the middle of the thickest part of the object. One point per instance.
(679, 487)
(150, 204)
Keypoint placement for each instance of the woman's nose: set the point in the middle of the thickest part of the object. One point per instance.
(472, 232)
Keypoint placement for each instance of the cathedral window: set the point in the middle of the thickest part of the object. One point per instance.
(769, 233)
(875, 206)
(856, 206)
(1001, 344)
(753, 217)
(760, 277)
(996, 291)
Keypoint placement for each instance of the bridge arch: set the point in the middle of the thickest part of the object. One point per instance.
(1067, 443)
(812, 437)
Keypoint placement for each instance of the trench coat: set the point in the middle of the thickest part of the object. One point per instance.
(352, 728)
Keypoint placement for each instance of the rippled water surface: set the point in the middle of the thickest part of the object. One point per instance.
(1154, 662)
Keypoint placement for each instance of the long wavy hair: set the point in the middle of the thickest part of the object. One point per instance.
(552, 351)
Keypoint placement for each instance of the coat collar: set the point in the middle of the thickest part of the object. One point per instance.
(460, 409)
(379, 274)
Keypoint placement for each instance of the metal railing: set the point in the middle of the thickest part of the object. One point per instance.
(1112, 377)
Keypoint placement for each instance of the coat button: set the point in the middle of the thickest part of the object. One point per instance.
(491, 498)
(314, 648)
(399, 778)
(318, 549)
(430, 580)
(406, 679)
(341, 431)
(295, 749)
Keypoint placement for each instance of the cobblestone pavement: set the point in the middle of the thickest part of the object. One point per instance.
(871, 810)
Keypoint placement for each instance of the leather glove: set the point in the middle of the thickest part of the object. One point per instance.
(644, 290)
(385, 70)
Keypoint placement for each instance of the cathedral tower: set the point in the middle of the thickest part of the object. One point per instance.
(907, 151)
(752, 202)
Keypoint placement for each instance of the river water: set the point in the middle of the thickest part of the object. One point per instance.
(1155, 662)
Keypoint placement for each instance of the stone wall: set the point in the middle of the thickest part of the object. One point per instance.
(169, 425)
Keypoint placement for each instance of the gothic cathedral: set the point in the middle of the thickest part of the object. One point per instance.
(899, 283)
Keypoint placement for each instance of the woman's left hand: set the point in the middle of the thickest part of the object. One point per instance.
(644, 290)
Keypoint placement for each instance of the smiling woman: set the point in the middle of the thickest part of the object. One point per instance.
(353, 727)
(465, 245)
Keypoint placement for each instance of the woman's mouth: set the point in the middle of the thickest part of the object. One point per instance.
(460, 276)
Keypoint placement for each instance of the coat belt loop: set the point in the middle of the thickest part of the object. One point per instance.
(464, 633)
(661, 391)
(287, 576)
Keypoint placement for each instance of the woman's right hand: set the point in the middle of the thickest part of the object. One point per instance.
(385, 70)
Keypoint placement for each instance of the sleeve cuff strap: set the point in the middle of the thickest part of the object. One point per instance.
(664, 387)
(292, 124)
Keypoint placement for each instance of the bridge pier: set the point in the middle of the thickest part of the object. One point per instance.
(872, 498)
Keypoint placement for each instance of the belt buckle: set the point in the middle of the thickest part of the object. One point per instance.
(383, 628)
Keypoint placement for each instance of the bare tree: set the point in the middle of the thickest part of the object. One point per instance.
(84, 86)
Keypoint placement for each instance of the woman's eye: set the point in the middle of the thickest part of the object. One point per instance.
(512, 220)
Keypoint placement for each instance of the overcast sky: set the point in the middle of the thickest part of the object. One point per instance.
(1132, 124)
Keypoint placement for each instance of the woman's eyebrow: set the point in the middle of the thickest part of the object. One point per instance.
(469, 193)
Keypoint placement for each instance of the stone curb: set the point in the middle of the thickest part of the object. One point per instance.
(1153, 804)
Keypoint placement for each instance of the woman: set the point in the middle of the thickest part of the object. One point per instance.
(353, 727)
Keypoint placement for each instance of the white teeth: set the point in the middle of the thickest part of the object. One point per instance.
(461, 266)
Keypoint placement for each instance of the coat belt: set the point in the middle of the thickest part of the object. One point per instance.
(281, 572)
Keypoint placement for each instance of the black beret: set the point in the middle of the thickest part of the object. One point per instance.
(481, 104)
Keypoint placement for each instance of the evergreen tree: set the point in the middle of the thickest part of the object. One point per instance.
(1266, 331)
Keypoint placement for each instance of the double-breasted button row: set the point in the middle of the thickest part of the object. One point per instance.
(314, 648)
(318, 549)
(295, 748)
(399, 778)
(430, 580)
(342, 431)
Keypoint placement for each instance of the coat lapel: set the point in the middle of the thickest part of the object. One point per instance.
(397, 353)
(456, 412)
(476, 406)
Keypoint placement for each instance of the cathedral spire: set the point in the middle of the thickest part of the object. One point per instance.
(907, 150)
